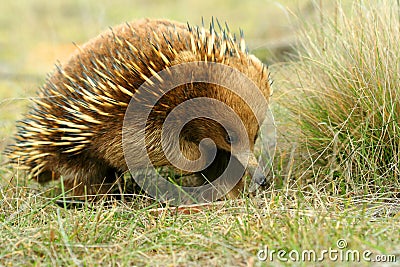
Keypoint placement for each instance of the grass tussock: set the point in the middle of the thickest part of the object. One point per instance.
(345, 100)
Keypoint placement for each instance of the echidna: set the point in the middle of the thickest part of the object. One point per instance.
(74, 126)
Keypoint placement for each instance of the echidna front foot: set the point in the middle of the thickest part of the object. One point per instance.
(46, 176)
(91, 187)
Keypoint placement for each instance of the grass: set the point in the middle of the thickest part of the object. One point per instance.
(344, 98)
(336, 170)
(35, 230)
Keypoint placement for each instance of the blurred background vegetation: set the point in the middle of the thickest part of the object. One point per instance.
(34, 34)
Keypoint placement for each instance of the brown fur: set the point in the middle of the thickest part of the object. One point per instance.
(91, 164)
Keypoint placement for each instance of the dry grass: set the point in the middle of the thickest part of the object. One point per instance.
(344, 99)
(35, 230)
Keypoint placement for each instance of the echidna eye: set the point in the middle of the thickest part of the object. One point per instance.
(231, 138)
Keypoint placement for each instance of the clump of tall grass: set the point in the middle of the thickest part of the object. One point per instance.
(343, 93)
